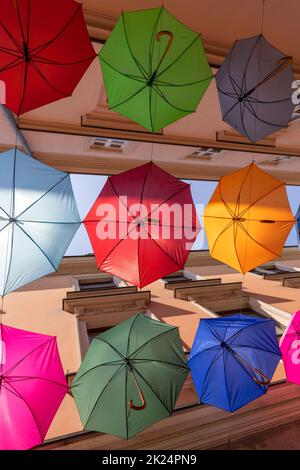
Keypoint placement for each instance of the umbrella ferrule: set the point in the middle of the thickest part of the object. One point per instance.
(227, 347)
(26, 51)
(152, 78)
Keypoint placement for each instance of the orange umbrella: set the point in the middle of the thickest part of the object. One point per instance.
(248, 219)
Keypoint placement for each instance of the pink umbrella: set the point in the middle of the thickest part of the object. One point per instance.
(32, 387)
(290, 349)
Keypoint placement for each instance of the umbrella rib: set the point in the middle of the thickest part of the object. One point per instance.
(151, 339)
(112, 363)
(168, 199)
(235, 335)
(15, 63)
(260, 244)
(7, 273)
(25, 357)
(231, 212)
(11, 52)
(260, 198)
(249, 58)
(225, 379)
(235, 229)
(42, 76)
(235, 86)
(38, 247)
(215, 359)
(178, 57)
(242, 185)
(251, 111)
(180, 366)
(18, 395)
(44, 60)
(132, 77)
(203, 351)
(129, 333)
(118, 196)
(160, 93)
(152, 41)
(24, 84)
(152, 389)
(112, 347)
(229, 225)
(253, 347)
(103, 390)
(129, 98)
(247, 372)
(139, 66)
(242, 114)
(43, 195)
(165, 252)
(166, 84)
(13, 40)
(40, 48)
(21, 379)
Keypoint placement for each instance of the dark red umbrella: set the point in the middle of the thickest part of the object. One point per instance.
(44, 51)
(142, 225)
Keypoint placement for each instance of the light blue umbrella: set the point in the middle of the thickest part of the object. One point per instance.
(38, 219)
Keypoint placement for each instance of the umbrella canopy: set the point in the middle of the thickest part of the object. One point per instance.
(131, 377)
(249, 215)
(44, 51)
(154, 68)
(233, 360)
(32, 387)
(255, 88)
(38, 219)
(142, 225)
(290, 349)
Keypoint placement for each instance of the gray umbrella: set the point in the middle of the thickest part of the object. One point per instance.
(255, 88)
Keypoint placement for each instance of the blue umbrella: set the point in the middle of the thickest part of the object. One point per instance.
(38, 219)
(233, 360)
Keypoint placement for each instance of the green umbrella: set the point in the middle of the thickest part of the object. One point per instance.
(130, 377)
(154, 68)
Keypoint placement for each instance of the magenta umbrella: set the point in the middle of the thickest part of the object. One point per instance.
(290, 349)
(32, 387)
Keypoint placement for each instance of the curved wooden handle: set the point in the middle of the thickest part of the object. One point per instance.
(131, 404)
(171, 39)
(265, 381)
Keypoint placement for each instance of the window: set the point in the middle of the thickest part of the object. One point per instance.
(112, 145)
(98, 282)
(252, 313)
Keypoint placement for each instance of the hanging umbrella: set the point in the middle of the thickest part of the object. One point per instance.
(255, 88)
(38, 219)
(132, 227)
(154, 68)
(248, 219)
(290, 349)
(32, 387)
(131, 377)
(233, 360)
(44, 51)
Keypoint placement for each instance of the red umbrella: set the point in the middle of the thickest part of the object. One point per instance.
(142, 225)
(44, 51)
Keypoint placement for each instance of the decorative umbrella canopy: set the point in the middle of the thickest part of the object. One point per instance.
(154, 68)
(255, 88)
(38, 219)
(248, 219)
(290, 349)
(32, 387)
(44, 51)
(131, 377)
(142, 225)
(233, 360)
